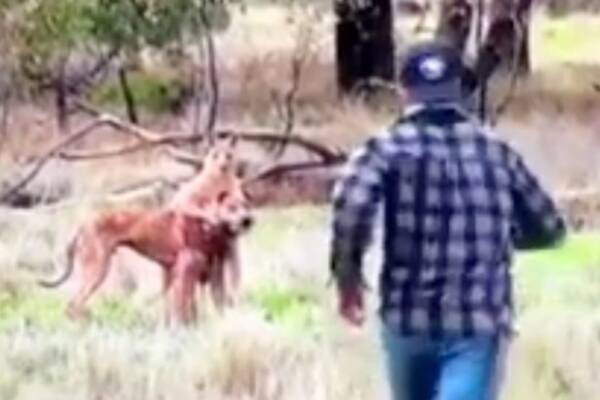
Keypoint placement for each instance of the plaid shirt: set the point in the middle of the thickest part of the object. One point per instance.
(456, 202)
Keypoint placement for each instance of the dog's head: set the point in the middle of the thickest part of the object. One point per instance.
(234, 213)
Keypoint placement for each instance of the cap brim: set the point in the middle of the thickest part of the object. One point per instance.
(446, 91)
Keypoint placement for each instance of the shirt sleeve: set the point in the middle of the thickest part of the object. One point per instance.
(356, 198)
(538, 222)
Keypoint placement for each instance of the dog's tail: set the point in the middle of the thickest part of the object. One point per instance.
(70, 253)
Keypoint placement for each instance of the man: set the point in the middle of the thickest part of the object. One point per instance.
(456, 202)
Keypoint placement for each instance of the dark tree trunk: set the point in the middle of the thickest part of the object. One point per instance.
(454, 25)
(4, 116)
(508, 34)
(130, 104)
(60, 99)
(364, 43)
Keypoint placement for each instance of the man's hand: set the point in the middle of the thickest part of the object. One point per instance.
(351, 304)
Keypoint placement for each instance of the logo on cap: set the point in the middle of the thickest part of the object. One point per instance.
(432, 68)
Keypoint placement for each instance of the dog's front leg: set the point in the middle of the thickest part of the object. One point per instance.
(186, 271)
(233, 265)
(217, 284)
(167, 293)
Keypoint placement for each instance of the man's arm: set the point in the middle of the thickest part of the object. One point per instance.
(355, 203)
(538, 222)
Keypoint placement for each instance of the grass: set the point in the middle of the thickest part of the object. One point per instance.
(569, 39)
(284, 340)
(155, 93)
(284, 337)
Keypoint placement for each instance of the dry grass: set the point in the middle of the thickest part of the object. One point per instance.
(282, 342)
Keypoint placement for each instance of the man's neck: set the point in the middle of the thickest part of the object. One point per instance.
(413, 108)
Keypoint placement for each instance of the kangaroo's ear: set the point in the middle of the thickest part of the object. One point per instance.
(249, 197)
(233, 141)
(241, 168)
(222, 196)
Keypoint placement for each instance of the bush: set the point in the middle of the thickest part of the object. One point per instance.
(153, 92)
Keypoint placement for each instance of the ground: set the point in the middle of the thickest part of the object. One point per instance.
(284, 340)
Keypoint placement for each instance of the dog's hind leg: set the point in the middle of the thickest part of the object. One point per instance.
(234, 261)
(94, 257)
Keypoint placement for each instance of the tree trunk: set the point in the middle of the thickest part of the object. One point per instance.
(4, 117)
(60, 99)
(454, 25)
(508, 34)
(130, 104)
(364, 44)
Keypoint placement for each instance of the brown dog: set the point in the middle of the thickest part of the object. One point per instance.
(194, 236)
(189, 250)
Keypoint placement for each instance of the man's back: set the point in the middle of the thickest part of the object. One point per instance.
(454, 200)
(456, 203)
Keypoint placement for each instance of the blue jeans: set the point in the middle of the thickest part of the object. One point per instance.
(451, 368)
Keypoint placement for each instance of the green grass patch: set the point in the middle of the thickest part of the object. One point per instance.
(290, 307)
(573, 38)
(579, 250)
(48, 312)
(564, 278)
(157, 93)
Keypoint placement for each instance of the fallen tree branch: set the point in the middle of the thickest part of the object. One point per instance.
(47, 156)
(243, 134)
(285, 168)
(152, 139)
(117, 123)
(320, 150)
(129, 149)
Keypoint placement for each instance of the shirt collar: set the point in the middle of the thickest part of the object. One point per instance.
(414, 108)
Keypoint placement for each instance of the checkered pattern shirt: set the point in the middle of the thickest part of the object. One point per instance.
(456, 202)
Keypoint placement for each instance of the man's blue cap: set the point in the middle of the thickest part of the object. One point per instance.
(431, 71)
